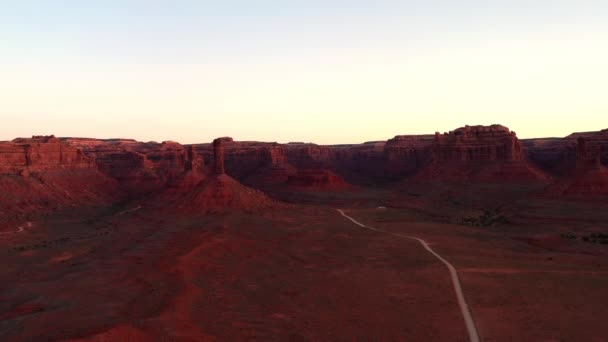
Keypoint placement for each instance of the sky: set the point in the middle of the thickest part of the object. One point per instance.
(324, 71)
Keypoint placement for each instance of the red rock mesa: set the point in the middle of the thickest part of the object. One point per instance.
(479, 153)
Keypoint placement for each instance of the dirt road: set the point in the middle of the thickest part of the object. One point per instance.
(464, 308)
(20, 229)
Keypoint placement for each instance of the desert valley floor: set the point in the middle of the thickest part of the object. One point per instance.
(304, 272)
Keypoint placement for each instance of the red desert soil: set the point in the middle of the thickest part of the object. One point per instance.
(297, 273)
(464, 307)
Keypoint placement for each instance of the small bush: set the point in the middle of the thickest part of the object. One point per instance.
(568, 235)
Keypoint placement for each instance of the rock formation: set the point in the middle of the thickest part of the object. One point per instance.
(479, 153)
(45, 169)
(407, 154)
(318, 180)
(142, 168)
(41, 154)
(217, 192)
(558, 156)
(253, 163)
(587, 155)
(43, 172)
(589, 179)
(191, 175)
(218, 153)
(478, 143)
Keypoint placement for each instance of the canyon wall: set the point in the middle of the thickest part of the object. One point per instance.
(479, 154)
(45, 169)
(589, 179)
(40, 154)
(141, 168)
(558, 156)
(43, 172)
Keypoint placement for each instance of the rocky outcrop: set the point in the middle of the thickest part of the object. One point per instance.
(587, 154)
(217, 192)
(42, 173)
(357, 163)
(41, 154)
(477, 143)
(218, 154)
(590, 178)
(405, 155)
(41, 164)
(317, 180)
(254, 163)
(558, 156)
(479, 153)
(304, 156)
(142, 168)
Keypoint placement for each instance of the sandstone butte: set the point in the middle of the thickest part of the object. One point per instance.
(590, 176)
(48, 172)
(216, 191)
(479, 153)
(44, 172)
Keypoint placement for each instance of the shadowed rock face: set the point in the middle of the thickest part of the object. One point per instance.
(587, 155)
(407, 154)
(559, 156)
(141, 168)
(590, 178)
(218, 153)
(254, 163)
(194, 162)
(317, 179)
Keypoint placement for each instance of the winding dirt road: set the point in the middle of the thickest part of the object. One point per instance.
(464, 308)
(20, 229)
(129, 211)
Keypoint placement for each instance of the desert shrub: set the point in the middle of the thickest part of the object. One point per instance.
(487, 219)
(568, 235)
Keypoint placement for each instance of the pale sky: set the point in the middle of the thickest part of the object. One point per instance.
(311, 70)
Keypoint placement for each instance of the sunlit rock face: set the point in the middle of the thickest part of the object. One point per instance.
(479, 153)
(43, 173)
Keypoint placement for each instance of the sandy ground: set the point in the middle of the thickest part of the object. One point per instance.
(304, 273)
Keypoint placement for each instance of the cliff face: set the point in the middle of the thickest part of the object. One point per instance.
(317, 180)
(41, 153)
(407, 154)
(589, 178)
(485, 153)
(477, 143)
(42, 172)
(254, 163)
(217, 192)
(141, 167)
(558, 156)
(479, 153)
(44, 169)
